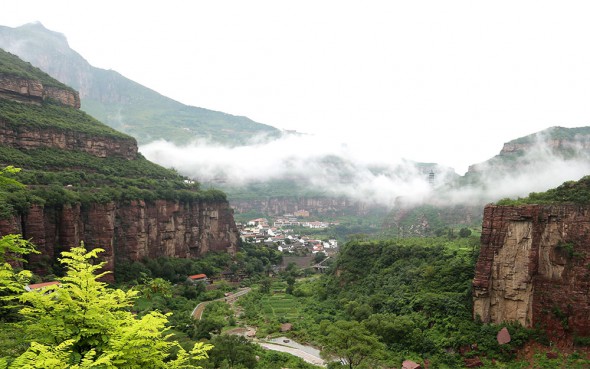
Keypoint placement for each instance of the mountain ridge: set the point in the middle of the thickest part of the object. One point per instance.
(122, 103)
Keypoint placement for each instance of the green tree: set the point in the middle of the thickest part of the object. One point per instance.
(82, 323)
(265, 285)
(12, 247)
(351, 342)
(235, 350)
(464, 232)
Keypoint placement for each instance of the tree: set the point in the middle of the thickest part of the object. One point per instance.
(351, 342)
(235, 350)
(464, 232)
(265, 285)
(82, 323)
(12, 247)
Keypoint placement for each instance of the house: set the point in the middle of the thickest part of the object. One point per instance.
(301, 213)
(40, 286)
(198, 278)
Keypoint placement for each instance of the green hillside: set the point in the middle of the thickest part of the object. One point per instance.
(121, 103)
(54, 176)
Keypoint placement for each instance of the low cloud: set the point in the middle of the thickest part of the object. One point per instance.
(371, 174)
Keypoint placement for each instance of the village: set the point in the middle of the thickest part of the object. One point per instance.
(281, 234)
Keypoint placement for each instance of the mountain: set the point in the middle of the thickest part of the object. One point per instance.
(121, 103)
(85, 181)
(567, 144)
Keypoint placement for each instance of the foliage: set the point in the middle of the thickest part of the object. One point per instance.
(571, 192)
(12, 65)
(83, 323)
(52, 116)
(12, 248)
(352, 342)
(233, 350)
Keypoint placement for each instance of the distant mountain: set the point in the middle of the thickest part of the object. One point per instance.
(120, 102)
(550, 144)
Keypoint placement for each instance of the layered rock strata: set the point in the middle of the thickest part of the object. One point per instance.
(534, 268)
(33, 91)
(27, 138)
(128, 231)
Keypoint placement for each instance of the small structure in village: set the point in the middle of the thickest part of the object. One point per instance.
(40, 286)
(198, 278)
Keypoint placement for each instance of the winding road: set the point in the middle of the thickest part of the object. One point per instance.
(200, 308)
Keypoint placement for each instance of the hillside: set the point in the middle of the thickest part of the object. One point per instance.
(85, 181)
(121, 103)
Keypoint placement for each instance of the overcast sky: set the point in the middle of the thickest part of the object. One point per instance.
(435, 81)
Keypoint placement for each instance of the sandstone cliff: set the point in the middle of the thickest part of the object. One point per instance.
(128, 228)
(127, 231)
(534, 268)
(26, 138)
(33, 91)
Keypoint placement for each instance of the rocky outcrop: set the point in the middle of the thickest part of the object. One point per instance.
(128, 231)
(23, 137)
(534, 268)
(33, 91)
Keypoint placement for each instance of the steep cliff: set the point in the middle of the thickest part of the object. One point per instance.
(87, 182)
(127, 231)
(534, 268)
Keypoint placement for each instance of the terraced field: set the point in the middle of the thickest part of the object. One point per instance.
(282, 306)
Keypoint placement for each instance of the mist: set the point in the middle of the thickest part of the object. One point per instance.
(373, 174)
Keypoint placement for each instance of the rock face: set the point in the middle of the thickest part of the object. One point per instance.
(534, 268)
(128, 231)
(33, 91)
(32, 138)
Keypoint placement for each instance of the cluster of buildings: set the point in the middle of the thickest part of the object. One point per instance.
(260, 231)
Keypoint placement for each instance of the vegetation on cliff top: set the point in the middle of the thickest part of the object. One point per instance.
(12, 65)
(571, 192)
(53, 116)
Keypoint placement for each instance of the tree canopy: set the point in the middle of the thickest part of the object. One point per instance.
(82, 323)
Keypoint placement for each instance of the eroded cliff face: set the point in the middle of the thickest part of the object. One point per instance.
(33, 91)
(128, 231)
(33, 138)
(534, 268)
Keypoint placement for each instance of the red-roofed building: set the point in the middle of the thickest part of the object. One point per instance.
(40, 286)
(198, 278)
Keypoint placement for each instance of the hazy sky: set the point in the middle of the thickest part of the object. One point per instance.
(436, 81)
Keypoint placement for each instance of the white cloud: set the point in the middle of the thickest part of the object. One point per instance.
(374, 174)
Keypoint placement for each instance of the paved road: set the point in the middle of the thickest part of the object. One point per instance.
(312, 359)
(200, 308)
